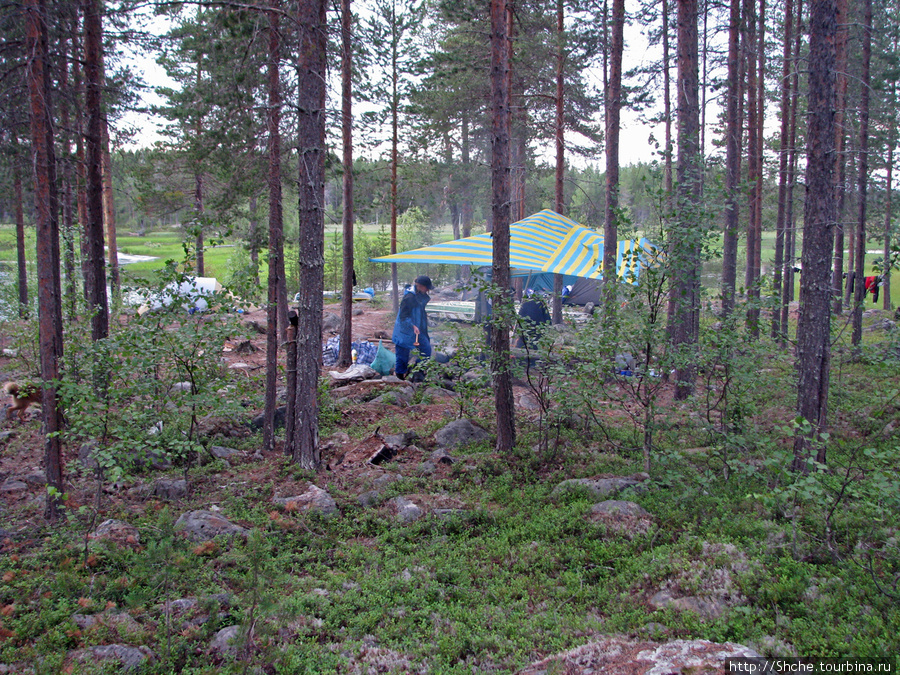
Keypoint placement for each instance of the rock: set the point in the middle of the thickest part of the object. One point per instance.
(86, 455)
(437, 393)
(386, 479)
(406, 510)
(170, 489)
(129, 658)
(331, 322)
(884, 324)
(599, 487)
(204, 525)
(258, 421)
(400, 440)
(427, 468)
(769, 645)
(225, 641)
(370, 498)
(358, 312)
(401, 396)
(528, 402)
(314, 499)
(116, 532)
(440, 456)
(460, 433)
(618, 654)
(4, 435)
(35, 479)
(221, 453)
(181, 386)
(122, 622)
(356, 372)
(179, 607)
(707, 607)
(614, 507)
(12, 486)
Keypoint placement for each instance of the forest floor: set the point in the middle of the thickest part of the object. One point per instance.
(478, 562)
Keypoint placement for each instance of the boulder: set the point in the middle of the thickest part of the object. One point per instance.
(618, 654)
(400, 440)
(165, 488)
(460, 433)
(331, 322)
(441, 456)
(128, 657)
(202, 526)
(597, 487)
(258, 421)
(226, 641)
(12, 486)
(615, 507)
(401, 396)
(116, 532)
(707, 608)
(314, 499)
(406, 510)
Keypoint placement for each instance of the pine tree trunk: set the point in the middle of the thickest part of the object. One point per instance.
(791, 232)
(500, 208)
(198, 225)
(47, 225)
(686, 250)
(109, 209)
(276, 226)
(751, 271)
(863, 183)
(777, 329)
(886, 290)
(21, 263)
(68, 181)
(613, 109)
(347, 143)
(96, 284)
(837, 276)
(311, 72)
(814, 324)
(560, 202)
(732, 163)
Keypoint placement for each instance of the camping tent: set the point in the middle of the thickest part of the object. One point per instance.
(545, 242)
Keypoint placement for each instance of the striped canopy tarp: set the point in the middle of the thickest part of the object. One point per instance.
(543, 242)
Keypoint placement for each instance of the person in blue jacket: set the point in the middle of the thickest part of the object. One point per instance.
(411, 326)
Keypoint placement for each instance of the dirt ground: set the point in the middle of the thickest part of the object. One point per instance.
(21, 443)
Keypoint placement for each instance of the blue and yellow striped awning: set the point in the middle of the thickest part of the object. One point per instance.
(543, 242)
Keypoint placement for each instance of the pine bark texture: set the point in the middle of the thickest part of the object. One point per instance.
(276, 226)
(814, 323)
(863, 181)
(556, 306)
(47, 226)
(613, 109)
(732, 162)
(837, 276)
(685, 253)
(347, 146)
(778, 272)
(95, 283)
(311, 72)
(500, 209)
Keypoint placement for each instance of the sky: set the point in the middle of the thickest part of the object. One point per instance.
(635, 134)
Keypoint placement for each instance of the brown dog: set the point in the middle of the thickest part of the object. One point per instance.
(21, 397)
